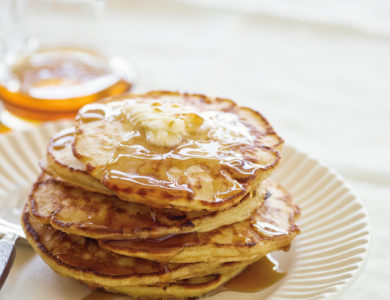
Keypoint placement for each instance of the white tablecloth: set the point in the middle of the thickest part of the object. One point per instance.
(319, 71)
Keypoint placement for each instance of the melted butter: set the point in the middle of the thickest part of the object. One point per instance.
(258, 276)
(163, 124)
(63, 138)
(160, 147)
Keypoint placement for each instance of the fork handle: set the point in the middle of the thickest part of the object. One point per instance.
(7, 255)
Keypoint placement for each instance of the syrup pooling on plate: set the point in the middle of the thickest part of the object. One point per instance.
(256, 277)
(99, 295)
(179, 149)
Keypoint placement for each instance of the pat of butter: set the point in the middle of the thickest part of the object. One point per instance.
(163, 124)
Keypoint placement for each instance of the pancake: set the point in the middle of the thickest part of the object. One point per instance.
(82, 258)
(99, 216)
(189, 288)
(270, 228)
(172, 150)
(63, 166)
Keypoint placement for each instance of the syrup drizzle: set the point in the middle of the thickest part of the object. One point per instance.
(267, 229)
(92, 112)
(63, 138)
(227, 151)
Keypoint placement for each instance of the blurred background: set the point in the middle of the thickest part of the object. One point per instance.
(318, 70)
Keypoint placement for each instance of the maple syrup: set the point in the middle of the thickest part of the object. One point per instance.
(3, 128)
(63, 138)
(99, 295)
(54, 83)
(227, 147)
(256, 277)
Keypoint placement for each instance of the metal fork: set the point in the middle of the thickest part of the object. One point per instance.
(7, 255)
(10, 232)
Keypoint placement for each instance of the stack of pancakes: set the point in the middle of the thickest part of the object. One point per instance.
(160, 195)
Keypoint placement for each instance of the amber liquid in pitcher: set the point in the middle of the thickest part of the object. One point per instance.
(54, 83)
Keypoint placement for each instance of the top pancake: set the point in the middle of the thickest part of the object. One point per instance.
(172, 150)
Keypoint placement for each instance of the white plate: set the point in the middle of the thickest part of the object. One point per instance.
(323, 261)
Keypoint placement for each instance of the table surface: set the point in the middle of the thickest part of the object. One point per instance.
(319, 73)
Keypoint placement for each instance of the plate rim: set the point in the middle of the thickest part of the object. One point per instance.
(366, 219)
